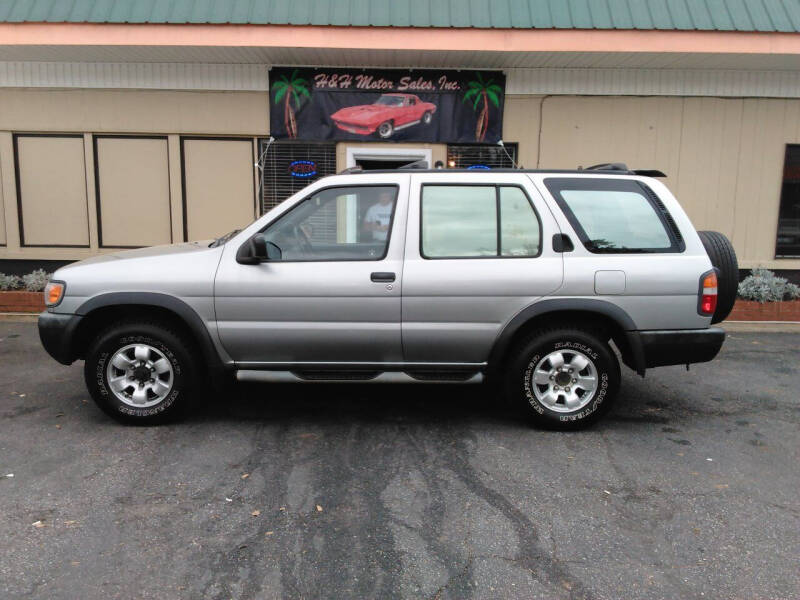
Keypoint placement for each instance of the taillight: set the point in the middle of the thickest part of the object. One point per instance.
(707, 302)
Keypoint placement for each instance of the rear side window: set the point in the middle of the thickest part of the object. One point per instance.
(472, 221)
(616, 216)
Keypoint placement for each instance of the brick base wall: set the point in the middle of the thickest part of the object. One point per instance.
(749, 310)
(26, 302)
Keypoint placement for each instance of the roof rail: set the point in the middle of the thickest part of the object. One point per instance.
(649, 173)
(348, 170)
(608, 167)
(417, 164)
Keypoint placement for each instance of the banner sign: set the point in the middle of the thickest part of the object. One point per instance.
(396, 105)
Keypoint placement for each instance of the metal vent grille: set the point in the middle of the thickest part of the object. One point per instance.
(479, 156)
(291, 166)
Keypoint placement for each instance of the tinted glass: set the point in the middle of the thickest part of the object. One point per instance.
(519, 226)
(617, 220)
(788, 243)
(459, 221)
(337, 224)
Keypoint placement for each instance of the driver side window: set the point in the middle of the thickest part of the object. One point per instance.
(345, 223)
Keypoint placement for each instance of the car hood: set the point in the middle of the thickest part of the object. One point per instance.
(182, 270)
(149, 252)
(358, 114)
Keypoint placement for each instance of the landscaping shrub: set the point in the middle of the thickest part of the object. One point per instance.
(9, 282)
(762, 285)
(36, 280)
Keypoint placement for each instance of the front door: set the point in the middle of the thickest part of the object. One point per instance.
(331, 292)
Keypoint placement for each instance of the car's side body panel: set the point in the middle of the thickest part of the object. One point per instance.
(320, 311)
(660, 290)
(454, 309)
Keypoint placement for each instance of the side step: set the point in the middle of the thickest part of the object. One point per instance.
(356, 377)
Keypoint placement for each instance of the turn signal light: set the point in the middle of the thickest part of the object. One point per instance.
(708, 294)
(53, 293)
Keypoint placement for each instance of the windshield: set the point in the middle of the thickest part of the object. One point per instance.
(390, 101)
(221, 240)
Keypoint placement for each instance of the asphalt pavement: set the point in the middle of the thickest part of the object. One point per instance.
(690, 488)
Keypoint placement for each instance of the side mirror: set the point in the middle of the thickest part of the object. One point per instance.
(273, 251)
(258, 247)
(256, 250)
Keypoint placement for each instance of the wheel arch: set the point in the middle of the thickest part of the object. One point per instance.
(609, 318)
(103, 310)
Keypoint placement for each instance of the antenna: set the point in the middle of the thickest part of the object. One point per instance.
(511, 158)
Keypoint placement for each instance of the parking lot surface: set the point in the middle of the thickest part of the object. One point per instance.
(688, 489)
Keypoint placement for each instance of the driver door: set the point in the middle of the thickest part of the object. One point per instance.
(333, 294)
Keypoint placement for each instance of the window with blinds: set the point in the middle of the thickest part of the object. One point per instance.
(481, 156)
(291, 166)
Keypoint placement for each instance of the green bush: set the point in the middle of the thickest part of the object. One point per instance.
(762, 285)
(36, 280)
(9, 282)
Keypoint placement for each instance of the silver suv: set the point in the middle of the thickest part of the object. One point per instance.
(535, 280)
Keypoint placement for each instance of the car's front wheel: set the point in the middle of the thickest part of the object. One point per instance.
(564, 378)
(385, 129)
(139, 372)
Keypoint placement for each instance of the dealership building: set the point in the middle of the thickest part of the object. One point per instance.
(133, 123)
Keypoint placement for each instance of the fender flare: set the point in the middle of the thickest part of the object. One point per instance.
(185, 312)
(635, 358)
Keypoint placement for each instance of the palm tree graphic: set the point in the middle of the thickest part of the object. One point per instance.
(486, 91)
(286, 89)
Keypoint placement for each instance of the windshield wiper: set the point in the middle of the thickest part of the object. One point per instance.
(221, 240)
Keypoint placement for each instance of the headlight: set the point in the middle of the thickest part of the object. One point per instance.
(54, 292)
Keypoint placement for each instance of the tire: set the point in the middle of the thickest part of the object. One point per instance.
(427, 117)
(127, 394)
(723, 257)
(583, 351)
(385, 130)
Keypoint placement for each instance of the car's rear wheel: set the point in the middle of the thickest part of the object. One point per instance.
(385, 129)
(139, 372)
(426, 118)
(563, 378)
(722, 255)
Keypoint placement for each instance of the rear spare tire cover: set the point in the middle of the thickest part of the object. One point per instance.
(723, 257)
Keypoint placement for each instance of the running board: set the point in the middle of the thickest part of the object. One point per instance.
(350, 377)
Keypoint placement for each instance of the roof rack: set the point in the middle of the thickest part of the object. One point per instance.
(417, 164)
(623, 167)
(609, 167)
(348, 170)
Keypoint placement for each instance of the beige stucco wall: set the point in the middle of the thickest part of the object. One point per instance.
(219, 186)
(134, 112)
(723, 157)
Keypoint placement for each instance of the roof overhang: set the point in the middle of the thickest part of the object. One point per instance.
(398, 46)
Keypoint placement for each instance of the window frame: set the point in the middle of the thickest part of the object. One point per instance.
(787, 149)
(555, 185)
(498, 238)
(389, 231)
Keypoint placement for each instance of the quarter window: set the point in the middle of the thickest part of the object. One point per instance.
(347, 223)
(478, 222)
(616, 216)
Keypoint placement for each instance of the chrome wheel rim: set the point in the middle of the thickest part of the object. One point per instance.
(385, 130)
(426, 118)
(564, 381)
(139, 375)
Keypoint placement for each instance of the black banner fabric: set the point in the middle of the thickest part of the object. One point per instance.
(395, 105)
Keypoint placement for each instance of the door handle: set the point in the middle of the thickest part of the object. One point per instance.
(379, 277)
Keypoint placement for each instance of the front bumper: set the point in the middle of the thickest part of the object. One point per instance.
(58, 333)
(680, 347)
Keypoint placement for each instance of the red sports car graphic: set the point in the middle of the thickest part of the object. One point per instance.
(389, 113)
